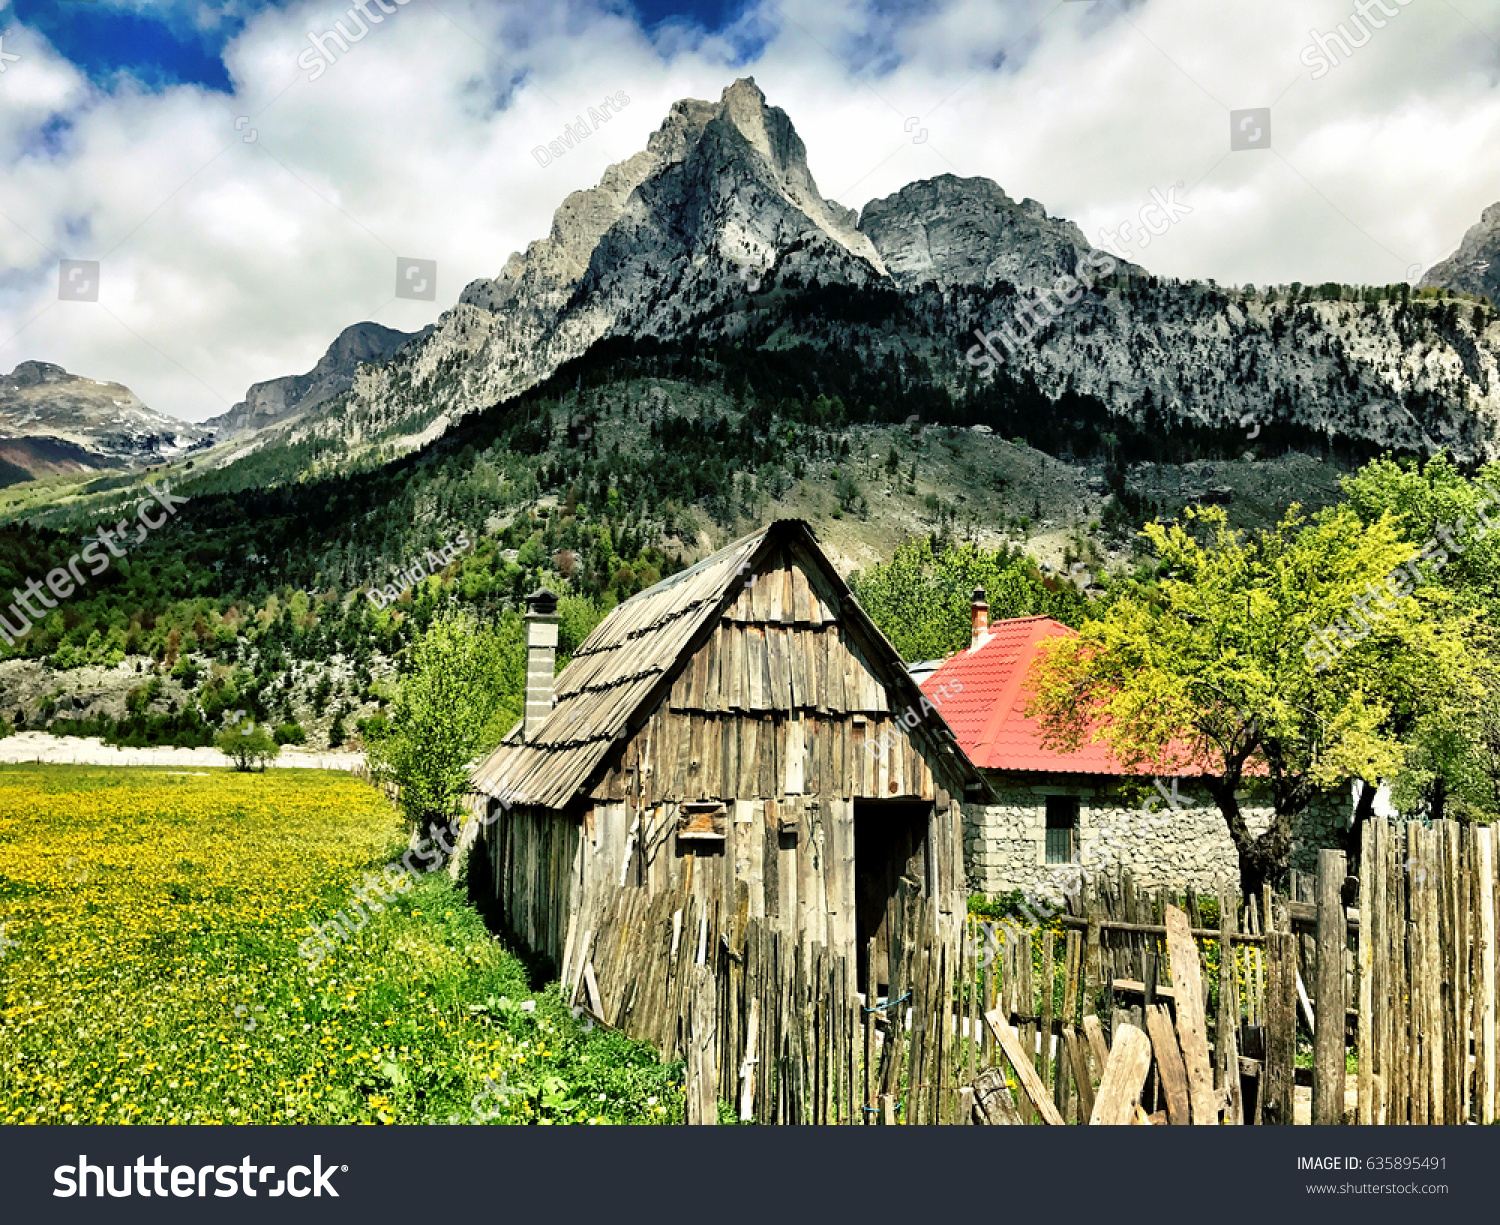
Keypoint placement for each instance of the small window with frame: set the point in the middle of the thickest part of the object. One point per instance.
(1062, 829)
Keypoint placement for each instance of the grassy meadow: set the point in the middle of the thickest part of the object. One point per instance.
(149, 970)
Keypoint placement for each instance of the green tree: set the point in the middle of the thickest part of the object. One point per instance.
(923, 601)
(1453, 766)
(464, 687)
(247, 744)
(1218, 662)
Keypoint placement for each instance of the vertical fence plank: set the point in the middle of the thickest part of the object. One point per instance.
(1328, 1003)
(1367, 856)
(1279, 1074)
(1484, 1035)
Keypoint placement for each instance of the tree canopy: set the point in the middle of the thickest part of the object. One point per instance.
(1213, 660)
(922, 599)
(464, 687)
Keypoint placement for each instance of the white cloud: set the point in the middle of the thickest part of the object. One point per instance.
(226, 262)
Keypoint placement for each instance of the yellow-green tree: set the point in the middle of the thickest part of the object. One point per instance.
(464, 686)
(1226, 655)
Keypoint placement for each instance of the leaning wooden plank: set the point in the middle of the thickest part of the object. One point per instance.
(747, 1068)
(1124, 1077)
(1031, 1083)
(993, 1104)
(591, 987)
(1169, 1064)
(1307, 1008)
(1098, 1047)
(1078, 1061)
(1187, 981)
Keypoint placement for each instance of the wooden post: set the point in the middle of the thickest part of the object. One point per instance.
(1328, 1041)
(1278, 1075)
(1370, 869)
(993, 1104)
(1048, 973)
(1484, 1036)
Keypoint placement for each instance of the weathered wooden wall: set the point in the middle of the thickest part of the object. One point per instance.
(533, 860)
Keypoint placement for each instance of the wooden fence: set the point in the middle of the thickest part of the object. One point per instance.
(1125, 1009)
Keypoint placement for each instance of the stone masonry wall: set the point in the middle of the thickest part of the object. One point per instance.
(1162, 844)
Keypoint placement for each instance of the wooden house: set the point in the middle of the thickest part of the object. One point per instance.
(738, 746)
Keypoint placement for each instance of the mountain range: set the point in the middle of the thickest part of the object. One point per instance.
(716, 234)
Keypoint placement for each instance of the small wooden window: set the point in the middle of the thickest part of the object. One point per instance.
(1062, 828)
(702, 821)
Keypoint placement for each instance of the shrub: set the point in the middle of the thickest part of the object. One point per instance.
(290, 733)
(247, 744)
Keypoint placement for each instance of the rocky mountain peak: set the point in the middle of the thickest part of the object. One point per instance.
(281, 399)
(1475, 267)
(34, 374)
(55, 421)
(953, 231)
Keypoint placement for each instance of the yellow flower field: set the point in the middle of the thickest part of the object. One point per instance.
(149, 924)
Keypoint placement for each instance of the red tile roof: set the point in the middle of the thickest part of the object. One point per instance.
(986, 701)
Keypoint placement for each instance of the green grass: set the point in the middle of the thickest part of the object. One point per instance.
(151, 971)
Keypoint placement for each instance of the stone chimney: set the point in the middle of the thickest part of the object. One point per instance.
(541, 658)
(979, 622)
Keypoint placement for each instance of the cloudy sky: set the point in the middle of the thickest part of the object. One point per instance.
(246, 199)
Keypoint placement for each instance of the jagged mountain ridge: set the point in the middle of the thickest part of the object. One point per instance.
(717, 227)
(277, 400)
(1475, 267)
(53, 421)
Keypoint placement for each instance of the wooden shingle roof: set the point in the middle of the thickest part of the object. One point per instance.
(627, 665)
(612, 673)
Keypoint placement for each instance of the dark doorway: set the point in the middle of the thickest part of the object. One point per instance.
(890, 839)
